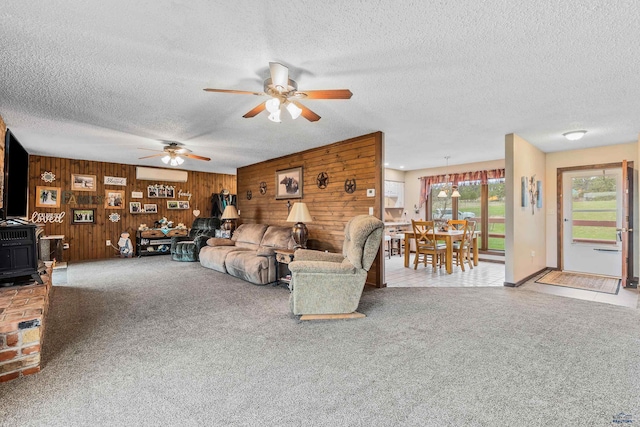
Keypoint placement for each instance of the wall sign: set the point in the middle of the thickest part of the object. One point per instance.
(137, 194)
(69, 198)
(184, 194)
(112, 180)
(47, 217)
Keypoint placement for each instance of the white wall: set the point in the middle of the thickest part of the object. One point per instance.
(589, 156)
(525, 248)
(412, 181)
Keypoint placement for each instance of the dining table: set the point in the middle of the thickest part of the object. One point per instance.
(448, 236)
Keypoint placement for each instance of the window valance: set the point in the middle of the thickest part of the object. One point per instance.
(481, 176)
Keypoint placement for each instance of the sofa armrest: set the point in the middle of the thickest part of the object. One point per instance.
(309, 255)
(266, 252)
(217, 241)
(321, 267)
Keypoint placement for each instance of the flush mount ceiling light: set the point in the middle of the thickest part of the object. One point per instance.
(574, 135)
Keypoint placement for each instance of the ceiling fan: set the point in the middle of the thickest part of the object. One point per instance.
(173, 154)
(284, 94)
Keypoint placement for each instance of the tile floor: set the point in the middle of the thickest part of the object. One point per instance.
(491, 274)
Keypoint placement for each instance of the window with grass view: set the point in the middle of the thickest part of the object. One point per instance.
(474, 198)
(594, 209)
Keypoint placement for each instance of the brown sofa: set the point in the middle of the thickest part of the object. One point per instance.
(249, 255)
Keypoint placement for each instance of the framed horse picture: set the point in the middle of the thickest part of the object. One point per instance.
(289, 183)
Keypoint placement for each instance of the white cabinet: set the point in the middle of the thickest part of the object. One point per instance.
(393, 194)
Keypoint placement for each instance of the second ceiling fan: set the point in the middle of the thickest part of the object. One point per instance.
(285, 95)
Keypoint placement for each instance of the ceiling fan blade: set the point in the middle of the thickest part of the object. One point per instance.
(307, 113)
(242, 92)
(194, 156)
(153, 155)
(259, 109)
(279, 75)
(327, 94)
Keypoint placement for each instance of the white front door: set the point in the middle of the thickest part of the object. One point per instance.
(592, 211)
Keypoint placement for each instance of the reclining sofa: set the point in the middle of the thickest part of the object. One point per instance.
(249, 254)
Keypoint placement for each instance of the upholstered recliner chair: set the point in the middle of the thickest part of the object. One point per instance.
(329, 285)
(187, 248)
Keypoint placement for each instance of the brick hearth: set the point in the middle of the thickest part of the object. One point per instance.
(22, 313)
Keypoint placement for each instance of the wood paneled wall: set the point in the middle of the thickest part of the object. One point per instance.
(88, 241)
(358, 158)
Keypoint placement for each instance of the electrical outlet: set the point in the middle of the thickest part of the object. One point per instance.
(108, 242)
(533, 253)
(371, 211)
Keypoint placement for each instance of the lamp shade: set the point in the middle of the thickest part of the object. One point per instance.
(455, 192)
(299, 213)
(230, 212)
(442, 193)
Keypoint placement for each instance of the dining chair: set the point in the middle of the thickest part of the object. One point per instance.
(457, 224)
(427, 245)
(462, 248)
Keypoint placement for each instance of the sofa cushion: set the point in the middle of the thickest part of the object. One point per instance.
(249, 236)
(278, 237)
(214, 257)
(248, 266)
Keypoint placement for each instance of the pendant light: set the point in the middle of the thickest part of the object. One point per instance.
(443, 192)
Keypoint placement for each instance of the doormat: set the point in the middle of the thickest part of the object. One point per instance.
(589, 282)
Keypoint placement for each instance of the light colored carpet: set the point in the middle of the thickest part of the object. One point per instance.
(152, 342)
(589, 282)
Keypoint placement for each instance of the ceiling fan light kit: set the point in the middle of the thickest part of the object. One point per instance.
(284, 93)
(574, 135)
(173, 155)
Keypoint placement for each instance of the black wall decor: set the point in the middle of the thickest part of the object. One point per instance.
(249, 195)
(322, 180)
(263, 188)
(350, 185)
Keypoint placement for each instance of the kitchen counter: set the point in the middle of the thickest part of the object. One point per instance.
(396, 223)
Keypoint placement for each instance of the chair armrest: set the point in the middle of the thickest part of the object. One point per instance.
(309, 255)
(175, 240)
(321, 267)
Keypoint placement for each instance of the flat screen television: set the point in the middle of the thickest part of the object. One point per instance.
(16, 178)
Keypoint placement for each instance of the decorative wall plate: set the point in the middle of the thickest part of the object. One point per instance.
(48, 176)
(263, 188)
(249, 195)
(114, 217)
(350, 185)
(322, 180)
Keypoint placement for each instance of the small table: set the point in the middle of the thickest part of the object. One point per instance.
(283, 256)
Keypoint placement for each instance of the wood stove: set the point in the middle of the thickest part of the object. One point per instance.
(19, 250)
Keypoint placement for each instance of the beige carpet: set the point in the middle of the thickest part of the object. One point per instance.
(589, 282)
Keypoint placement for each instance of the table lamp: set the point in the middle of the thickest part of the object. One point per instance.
(300, 214)
(230, 215)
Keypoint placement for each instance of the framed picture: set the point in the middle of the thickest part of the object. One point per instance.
(289, 183)
(137, 194)
(135, 207)
(83, 216)
(81, 182)
(183, 205)
(150, 208)
(114, 199)
(524, 197)
(172, 204)
(161, 191)
(47, 197)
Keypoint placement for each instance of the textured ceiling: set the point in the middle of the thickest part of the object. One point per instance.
(100, 79)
